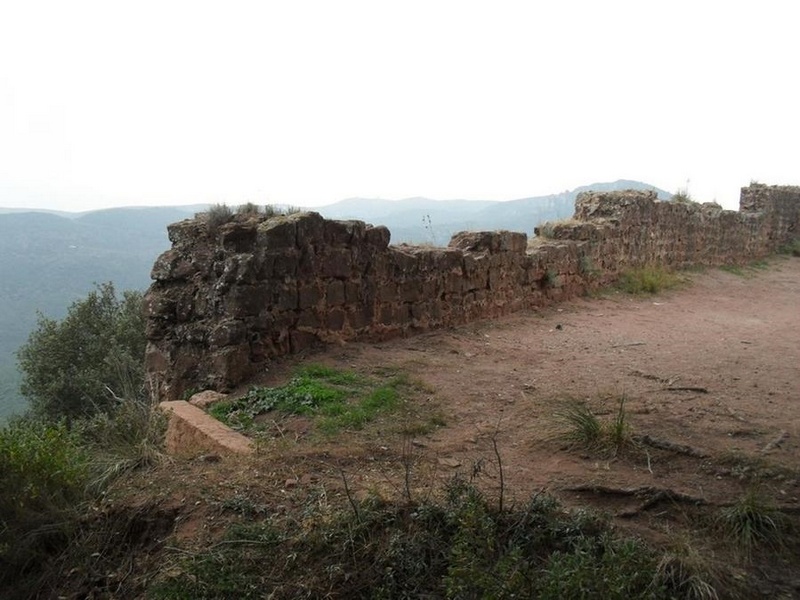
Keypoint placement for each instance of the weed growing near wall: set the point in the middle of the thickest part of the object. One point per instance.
(648, 280)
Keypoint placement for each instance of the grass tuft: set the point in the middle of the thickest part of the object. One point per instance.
(217, 215)
(582, 428)
(648, 280)
(752, 522)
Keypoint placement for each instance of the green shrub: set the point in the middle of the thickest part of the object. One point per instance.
(43, 476)
(792, 248)
(72, 368)
(129, 436)
(605, 568)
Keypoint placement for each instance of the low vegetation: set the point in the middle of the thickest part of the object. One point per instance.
(682, 195)
(792, 248)
(218, 215)
(648, 280)
(752, 522)
(458, 546)
(581, 428)
(335, 399)
(89, 422)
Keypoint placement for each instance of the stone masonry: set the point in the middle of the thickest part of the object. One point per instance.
(225, 300)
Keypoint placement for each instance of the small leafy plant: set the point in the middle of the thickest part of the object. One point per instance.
(335, 399)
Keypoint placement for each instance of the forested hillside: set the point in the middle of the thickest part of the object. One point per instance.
(48, 261)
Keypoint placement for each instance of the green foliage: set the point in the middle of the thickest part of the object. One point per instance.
(648, 280)
(550, 279)
(751, 522)
(72, 368)
(337, 399)
(583, 429)
(43, 474)
(792, 248)
(457, 547)
(601, 568)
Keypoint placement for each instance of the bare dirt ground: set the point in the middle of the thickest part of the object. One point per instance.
(710, 372)
(714, 366)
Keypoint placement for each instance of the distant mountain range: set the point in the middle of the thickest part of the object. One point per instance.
(49, 259)
(422, 220)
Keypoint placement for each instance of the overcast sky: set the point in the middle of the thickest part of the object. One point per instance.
(309, 102)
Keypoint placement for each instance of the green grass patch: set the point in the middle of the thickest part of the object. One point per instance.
(649, 280)
(336, 399)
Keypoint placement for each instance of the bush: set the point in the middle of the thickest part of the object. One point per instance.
(43, 475)
(217, 215)
(72, 368)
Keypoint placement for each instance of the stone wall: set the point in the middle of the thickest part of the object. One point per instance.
(227, 299)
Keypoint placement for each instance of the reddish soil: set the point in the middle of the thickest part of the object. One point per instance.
(712, 369)
(714, 366)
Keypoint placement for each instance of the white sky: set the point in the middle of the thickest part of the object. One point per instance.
(309, 102)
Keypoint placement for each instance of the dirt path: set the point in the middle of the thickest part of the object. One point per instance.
(714, 366)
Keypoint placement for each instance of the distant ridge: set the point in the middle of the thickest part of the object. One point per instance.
(423, 220)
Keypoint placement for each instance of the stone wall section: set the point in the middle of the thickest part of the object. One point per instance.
(225, 300)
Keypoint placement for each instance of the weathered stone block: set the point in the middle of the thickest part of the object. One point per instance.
(335, 295)
(308, 295)
(378, 237)
(336, 319)
(337, 263)
(277, 233)
(238, 237)
(226, 333)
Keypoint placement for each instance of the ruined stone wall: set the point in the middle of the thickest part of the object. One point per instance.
(227, 299)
